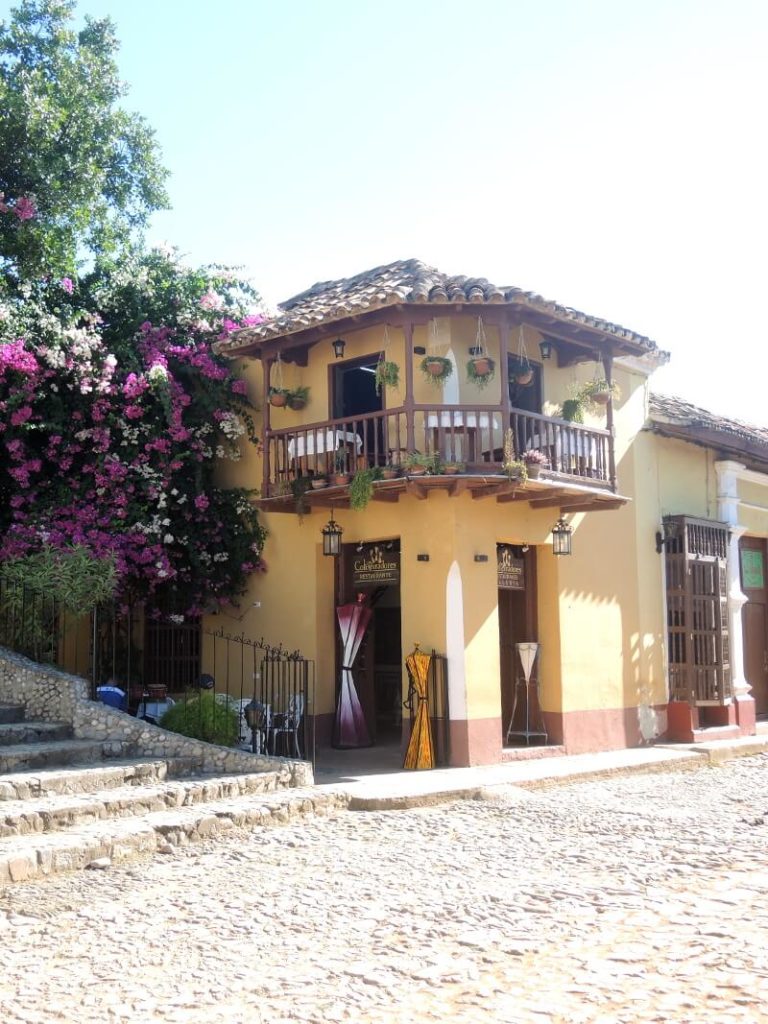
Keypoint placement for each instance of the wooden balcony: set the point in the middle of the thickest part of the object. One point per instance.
(580, 458)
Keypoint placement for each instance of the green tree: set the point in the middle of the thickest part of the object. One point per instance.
(91, 170)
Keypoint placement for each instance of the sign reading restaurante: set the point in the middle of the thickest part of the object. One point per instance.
(375, 564)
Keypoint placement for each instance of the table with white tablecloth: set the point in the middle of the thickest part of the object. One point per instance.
(455, 425)
(319, 442)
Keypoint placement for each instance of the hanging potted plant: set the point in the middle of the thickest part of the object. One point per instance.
(481, 369)
(436, 369)
(387, 372)
(278, 397)
(522, 372)
(298, 398)
(598, 392)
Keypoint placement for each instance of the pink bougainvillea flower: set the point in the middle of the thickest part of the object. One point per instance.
(67, 284)
(25, 208)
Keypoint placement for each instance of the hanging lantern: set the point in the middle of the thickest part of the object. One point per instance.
(545, 347)
(561, 537)
(332, 538)
(338, 348)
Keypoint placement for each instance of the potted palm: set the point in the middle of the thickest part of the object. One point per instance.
(341, 473)
(298, 397)
(417, 464)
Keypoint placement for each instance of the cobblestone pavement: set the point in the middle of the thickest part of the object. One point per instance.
(632, 899)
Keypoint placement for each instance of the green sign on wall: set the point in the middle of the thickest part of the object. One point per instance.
(752, 569)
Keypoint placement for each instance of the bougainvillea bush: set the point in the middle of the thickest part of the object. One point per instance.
(114, 412)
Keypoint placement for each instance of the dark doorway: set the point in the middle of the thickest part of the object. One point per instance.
(354, 398)
(752, 551)
(379, 664)
(517, 617)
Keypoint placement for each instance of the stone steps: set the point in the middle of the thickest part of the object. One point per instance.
(58, 812)
(117, 841)
(12, 733)
(11, 713)
(86, 778)
(26, 756)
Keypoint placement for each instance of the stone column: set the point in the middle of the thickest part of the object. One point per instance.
(728, 512)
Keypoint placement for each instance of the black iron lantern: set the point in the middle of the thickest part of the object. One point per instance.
(338, 348)
(561, 537)
(545, 347)
(332, 538)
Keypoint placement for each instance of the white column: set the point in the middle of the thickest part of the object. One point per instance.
(728, 512)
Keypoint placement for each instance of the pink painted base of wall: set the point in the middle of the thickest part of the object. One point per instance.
(475, 741)
(687, 724)
(585, 732)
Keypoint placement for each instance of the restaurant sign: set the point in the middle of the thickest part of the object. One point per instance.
(511, 570)
(375, 565)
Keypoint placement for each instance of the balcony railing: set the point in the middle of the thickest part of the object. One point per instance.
(473, 435)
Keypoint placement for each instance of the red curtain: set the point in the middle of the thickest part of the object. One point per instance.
(349, 728)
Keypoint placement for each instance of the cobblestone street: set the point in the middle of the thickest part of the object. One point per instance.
(631, 899)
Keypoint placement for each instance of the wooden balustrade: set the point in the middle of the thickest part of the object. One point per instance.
(469, 434)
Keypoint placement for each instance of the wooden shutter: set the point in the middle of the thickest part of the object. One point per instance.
(696, 557)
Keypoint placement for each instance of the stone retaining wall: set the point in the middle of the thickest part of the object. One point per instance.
(50, 695)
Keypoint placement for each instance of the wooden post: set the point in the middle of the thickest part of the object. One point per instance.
(504, 333)
(409, 399)
(266, 363)
(608, 367)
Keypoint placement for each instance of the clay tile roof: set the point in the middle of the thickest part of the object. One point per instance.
(669, 414)
(403, 282)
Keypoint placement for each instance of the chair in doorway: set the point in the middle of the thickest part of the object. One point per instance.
(284, 728)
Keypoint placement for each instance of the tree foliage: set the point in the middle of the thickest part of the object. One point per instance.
(91, 170)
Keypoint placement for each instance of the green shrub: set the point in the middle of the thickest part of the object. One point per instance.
(204, 717)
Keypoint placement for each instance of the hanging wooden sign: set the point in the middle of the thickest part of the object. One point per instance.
(510, 570)
(374, 565)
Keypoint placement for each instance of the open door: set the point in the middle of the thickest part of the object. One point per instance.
(516, 567)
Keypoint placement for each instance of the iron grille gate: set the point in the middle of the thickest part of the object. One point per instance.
(696, 558)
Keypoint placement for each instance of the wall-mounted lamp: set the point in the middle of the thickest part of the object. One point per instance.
(561, 537)
(545, 347)
(338, 348)
(332, 538)
(664, 536)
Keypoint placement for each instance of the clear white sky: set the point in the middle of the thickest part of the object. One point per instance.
(607, 154)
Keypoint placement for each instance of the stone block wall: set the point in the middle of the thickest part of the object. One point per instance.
(54, 696)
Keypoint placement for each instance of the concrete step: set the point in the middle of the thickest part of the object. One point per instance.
(58, 812)
(32, 732)
(88, 778)
(716, 732)
(11, 713)
(102, 843)
(27, 756)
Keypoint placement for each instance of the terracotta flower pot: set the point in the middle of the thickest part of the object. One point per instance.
(524, 379)
(296, 403)
(278, 400)
(318, 483)
(434, 366)
(601, 397)
(449, 470)
(389, 474)
(482, 365)
(340, 479)
(416, 470)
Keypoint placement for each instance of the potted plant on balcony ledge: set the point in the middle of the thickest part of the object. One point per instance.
(341, 474)
(417, 464)
(535, 461)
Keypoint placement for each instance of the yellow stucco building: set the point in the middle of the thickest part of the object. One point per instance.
(455, 548)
